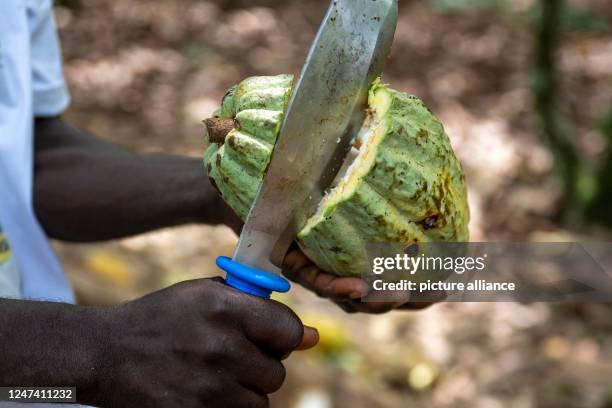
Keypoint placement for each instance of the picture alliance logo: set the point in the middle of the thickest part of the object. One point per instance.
(423, 263)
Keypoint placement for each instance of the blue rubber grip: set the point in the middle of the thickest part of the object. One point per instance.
(250, 280)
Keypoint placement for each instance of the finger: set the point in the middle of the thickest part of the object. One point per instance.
(425, 299)
(247, 398)
(344, 291)
(295, 260)
(300, 269)
(273, 326)
(310, 338)
(395, 297)
(431, 296)
(260, 372)
(354, 306)
(330, 286)
(376, 307)
(416, 305)
(353, 288)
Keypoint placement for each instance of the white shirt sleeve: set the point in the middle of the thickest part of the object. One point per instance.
(31, 83)
(50, 95)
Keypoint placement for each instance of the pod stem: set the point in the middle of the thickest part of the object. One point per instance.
(218, 129)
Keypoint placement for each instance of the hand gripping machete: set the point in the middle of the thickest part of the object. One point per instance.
(326, 109)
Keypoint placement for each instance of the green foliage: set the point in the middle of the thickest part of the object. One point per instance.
(566, 391)
(587, 192)
(605, 123)
(572, 19)
(599, 207)
(461, 5)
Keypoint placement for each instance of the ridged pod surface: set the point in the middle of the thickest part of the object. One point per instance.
(404, 184)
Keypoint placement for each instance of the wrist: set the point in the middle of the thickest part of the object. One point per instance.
(94, 371)
(50, 344)
(211, 208)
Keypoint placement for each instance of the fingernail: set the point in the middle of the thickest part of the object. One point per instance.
(355, 295)
(310, 339)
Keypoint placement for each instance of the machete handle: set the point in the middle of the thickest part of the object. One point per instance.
(251, 280)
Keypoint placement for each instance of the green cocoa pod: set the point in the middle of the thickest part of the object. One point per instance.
(401, 182)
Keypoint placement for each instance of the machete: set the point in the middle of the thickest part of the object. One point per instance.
(325, 111)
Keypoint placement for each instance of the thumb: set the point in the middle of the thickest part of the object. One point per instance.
(309, 339)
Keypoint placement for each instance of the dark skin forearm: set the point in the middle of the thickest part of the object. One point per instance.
(49, 344)
(86, 189)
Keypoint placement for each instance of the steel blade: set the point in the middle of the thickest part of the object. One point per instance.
(326, 109)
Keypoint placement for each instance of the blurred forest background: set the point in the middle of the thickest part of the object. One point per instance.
(524, 89)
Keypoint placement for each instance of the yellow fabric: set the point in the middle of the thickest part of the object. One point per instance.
(5, 250)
